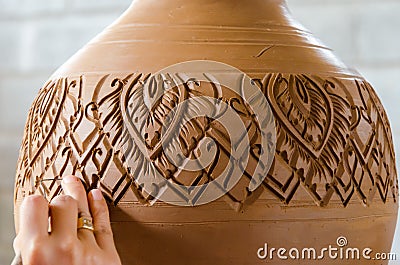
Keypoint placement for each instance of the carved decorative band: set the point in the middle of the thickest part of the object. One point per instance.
(333, 139)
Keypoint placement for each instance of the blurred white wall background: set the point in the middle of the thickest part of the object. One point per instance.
(36, 36)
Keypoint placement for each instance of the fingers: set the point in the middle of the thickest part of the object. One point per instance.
(65, 244)
(73, 187)
(34, 217)
(64, 214)
(101, 220)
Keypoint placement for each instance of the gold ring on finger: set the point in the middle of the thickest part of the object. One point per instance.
(85, 223)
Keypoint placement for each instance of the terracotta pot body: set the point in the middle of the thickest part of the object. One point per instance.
(334, 168)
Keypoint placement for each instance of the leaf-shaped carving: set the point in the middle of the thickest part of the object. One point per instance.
(304, 109)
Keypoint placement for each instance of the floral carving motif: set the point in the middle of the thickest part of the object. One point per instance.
(333, 138)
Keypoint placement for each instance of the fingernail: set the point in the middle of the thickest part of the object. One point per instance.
(97, 195)
(70, 179)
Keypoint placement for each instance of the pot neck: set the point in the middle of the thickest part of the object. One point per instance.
(251, 13)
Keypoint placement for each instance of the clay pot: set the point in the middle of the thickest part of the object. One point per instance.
(333, 176)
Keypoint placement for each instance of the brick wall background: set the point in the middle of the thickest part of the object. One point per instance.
(36, 36)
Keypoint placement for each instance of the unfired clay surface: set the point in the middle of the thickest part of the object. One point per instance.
(334, 168)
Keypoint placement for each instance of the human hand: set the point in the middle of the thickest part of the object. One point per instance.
(65, 243)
